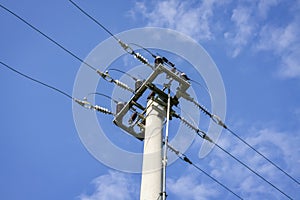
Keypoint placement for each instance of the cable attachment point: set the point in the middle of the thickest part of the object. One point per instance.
(84, 103)
(126, 47)
(218, 121)
(206, 137)
(180, 155)
(103, 75)
(197, 130)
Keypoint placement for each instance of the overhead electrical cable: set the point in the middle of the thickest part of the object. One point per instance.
(218, 121)
(104, 95)
(214, 117)
(105, 76)
(94, 20)
(250, 146)
(129, 50)
(187, 160)
(121, 71)
(142, 59)
(35, 80)
(249, 168)
(125, 46)
(83, 103)
(49, 38)
(204, 135)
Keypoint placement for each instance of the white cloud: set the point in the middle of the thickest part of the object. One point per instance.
(243, 31)
(265, 6)
(252, 30)
(114, 185)
(189, 187)
(188, 17)
(279, 147)
(243, 25)
(284, 43)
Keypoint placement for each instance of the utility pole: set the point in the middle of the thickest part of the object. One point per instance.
(151, 186)
(146, 123)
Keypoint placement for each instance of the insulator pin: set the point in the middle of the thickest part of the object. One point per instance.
(138, 84)
(120, 106)
(132, 117)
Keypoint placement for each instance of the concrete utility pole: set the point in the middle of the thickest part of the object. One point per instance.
(146, 123)
(151, 186)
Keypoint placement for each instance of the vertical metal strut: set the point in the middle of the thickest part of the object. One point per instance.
(165, 158)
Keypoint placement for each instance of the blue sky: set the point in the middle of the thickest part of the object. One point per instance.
(255, 45)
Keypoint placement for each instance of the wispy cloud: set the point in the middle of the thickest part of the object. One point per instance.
(284, 43)
(238, 24)
(244, 25)
(114, 185)
(276, 145)
(191, 18)
(190, 187)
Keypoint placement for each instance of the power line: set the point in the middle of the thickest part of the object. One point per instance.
(37, 81)
(104, 95)
(125, 46)
(257, 174)
(116, 81)
(103, 75)
(49, 38)
(83, 103)
(145, 49)
(187, 160)
(203, 135)
(123, 72)
(233, 133)
(218, 121)
(97, 22)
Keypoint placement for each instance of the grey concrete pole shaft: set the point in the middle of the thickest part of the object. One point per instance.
(151, 184)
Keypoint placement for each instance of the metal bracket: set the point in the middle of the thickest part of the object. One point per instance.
(136, 128)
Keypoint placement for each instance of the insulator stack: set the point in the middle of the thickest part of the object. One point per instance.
(141, 58)
(103, 110)
(123, 85)
(203, 109)
(188, 124)
(173, 149)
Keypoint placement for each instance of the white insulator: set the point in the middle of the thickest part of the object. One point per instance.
(188, 124)
(123, 85)
(173, 149)
(141, 58)
(101, 109)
